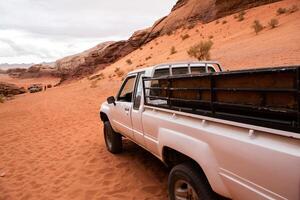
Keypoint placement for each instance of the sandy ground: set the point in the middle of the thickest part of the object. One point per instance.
(51, 143)
(51, 147)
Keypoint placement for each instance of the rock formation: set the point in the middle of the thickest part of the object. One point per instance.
(186, 13)
(7, 89)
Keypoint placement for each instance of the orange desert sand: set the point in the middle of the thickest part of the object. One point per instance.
(51, 143)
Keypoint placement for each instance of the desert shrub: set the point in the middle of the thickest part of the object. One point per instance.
(185, 36)
(224, 22)
(119, 72)
(97, 76)
(192, 25)
(148, 58)
(169, 33)
(273, 23)
(94, 84)
(1, 98)
(293, 9)
(217, 21)
(241, 15)
(201, 51)
(129, 61)
(281, 11)
(211, 37)
(257, 26)
(173, 50)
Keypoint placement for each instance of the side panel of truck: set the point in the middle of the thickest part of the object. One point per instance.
(244, 160)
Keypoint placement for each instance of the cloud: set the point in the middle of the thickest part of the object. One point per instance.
(47, 30)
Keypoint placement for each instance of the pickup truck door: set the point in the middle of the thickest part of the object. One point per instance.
(121, 112)
(137, 110)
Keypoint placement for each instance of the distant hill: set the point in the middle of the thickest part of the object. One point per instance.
(5, 66)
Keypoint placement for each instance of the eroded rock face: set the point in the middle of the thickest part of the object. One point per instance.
(34, 71)
(7, 89)
(185, 13)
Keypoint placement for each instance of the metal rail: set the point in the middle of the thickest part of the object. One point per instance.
(261, 114)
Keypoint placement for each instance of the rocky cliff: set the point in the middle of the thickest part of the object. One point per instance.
(186, 13)
(7, 89)
(35, 71)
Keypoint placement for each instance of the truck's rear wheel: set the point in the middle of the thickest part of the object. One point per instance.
(112, 139)
(187, 183)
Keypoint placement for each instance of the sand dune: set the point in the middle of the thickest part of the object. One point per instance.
(52, 147)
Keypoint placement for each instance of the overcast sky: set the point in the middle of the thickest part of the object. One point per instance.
(45, 30)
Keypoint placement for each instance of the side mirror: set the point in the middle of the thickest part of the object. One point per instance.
(111, 100)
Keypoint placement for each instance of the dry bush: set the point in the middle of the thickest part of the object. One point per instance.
(217, 21)
(1, 98)
(273, 23)
(241, 15)
(97, 76)
(224, 22)
(211, 37)
(169, 33)
(148, 58)
(94, 84)
(119, 72)
(191, 26)
(129, 62)
(173, 50)
(201, 51)
(185, 36)
(293, 9)
(281, 11)
(257, 26)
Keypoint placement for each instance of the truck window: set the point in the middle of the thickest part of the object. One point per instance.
(127, 88)
(200, 70)
(161, 72)
(138, 92)
(180, 70)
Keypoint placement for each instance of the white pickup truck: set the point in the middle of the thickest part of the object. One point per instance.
(217, 140)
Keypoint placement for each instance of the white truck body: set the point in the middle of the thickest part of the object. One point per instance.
(240, 161)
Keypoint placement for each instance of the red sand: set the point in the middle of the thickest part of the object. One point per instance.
(51, 143)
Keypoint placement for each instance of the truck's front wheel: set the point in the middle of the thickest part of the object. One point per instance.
(112, 139)
(187, 183)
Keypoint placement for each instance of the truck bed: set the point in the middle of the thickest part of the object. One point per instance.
(268, 97)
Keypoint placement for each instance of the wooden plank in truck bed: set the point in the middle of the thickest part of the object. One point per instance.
(267, 97)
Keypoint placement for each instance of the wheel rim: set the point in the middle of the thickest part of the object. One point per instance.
(108, 137)
(184, 191)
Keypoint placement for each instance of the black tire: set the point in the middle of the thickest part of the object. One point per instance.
(195, 180)
(112, 139)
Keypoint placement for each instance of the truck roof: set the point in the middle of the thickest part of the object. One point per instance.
(177, 64)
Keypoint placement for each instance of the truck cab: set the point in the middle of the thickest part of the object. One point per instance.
(127, 107)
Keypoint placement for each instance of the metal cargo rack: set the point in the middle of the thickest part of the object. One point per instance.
(268, 97)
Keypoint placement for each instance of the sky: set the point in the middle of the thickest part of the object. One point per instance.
(35, 31)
